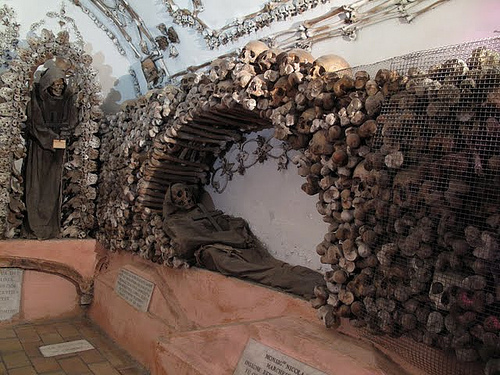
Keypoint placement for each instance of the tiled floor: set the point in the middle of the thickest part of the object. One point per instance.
(20, 355)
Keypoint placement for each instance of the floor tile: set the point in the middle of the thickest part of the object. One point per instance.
(15, 359)
(44, 365)
(10, 345)
(91, 356)
(103, 368)
(7, 333)
(28, 370)
(73, 366)
(20, 354)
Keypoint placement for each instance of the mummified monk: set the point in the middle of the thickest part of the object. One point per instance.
(225, 244)
(51, 118)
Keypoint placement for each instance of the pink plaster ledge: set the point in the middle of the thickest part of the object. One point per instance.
(81, 255)
(217, 350)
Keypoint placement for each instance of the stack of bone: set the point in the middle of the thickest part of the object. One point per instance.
(409, 253)
(80, 174)
(157, 140)
(413, 239)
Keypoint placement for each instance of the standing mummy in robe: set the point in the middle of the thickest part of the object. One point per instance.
(224, 244)
(52, 116)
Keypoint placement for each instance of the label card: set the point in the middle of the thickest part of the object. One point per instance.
(59, 143)
(65, 348)
(134, 289)
(259, 359)
(10, 292)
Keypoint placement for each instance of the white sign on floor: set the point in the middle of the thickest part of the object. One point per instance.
(65, 348)
(11, 281)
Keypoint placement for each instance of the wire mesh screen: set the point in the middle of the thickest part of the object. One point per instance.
(438, 226)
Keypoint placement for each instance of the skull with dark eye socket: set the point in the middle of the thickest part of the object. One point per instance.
(182, 196)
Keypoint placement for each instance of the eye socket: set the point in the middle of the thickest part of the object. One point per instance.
(179, 194)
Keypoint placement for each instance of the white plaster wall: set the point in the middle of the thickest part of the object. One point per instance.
(277, 210)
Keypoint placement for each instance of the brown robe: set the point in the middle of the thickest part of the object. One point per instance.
(49, 117)
(233, 252)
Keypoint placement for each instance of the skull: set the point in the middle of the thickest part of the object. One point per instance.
(182, 196)
(244, 75)
(219, 69)
(189, 80)
(267, 59)
(252, 50)
(224, 87)
(7, 110)
(9, 78)
(406, 187)
(57, 87)
(257, 86)
(289, 62)
(86, 59)
(47, 36)
(7, 93)
(306, 119)
(280, 90)
(62, 37)
(328, 63)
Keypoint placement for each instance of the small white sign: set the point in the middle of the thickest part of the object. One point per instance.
(259, 359)
(134, 289)
(65, 348)
(11, 280)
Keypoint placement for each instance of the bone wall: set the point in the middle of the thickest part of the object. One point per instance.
(452, 22)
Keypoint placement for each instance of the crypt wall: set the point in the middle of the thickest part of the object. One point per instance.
(449, 23)
(284, 203)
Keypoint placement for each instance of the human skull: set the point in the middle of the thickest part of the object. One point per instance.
(219, 69)
(189, 80)
(86, 59)
(182, 196)
(280, 90)
(267, 59)
(47, 36)
(306, 119)
(62, 37)
(289, 62)
(9, 78)
(7, 93)
(328, 64)
(406, 187)
(252, 50)
(57, 87)
(243, 74)
(224, 87)
(257, 86)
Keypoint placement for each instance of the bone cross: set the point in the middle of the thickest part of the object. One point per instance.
(210, 216)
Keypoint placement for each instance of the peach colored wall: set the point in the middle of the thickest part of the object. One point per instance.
(79, 254)
(47, 296)
(199, 321)
(183, 300)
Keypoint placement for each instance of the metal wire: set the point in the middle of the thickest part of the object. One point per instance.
(440, 137)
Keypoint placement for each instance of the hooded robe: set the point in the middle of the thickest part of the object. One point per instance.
(234, 251)
(49, 118)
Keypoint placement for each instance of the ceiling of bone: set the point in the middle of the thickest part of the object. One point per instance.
(152, 34)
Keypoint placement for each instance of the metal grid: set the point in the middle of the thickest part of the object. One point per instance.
(438, 282)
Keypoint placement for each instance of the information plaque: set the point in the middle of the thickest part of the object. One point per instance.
(259, 359)
(134, 289)
(10, 292)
